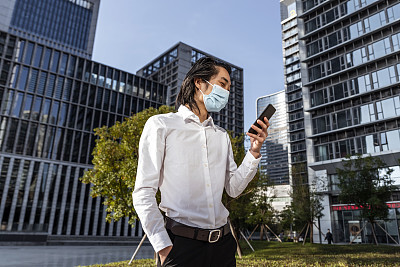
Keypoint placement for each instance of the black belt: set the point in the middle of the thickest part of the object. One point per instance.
(183, 230)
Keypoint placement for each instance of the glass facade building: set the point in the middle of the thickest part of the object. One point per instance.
(171, 68)
(50, 103)
(67, 25)
(293, 89)
(349, 54)
(274, 161)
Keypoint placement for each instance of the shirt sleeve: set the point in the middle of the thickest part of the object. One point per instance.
(237, 178)
(151, 155)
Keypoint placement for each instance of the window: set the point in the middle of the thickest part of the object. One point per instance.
(59, 87)
(393, 140)
(27, 106)
(23, 78)
(42, 83)
(63, 114)
(375, 21)
(16, 109)
(388, 108)
(32, 81)
(36, 108)
(46, 59)
(67, 89)
(393, 12)
(29, 53)
(63, 64)
(38, 56)
(54, 112)
(54, 62)
(50, 85)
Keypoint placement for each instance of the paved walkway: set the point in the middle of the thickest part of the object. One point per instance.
(68, 256)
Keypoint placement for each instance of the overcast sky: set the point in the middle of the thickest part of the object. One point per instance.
(130, 33)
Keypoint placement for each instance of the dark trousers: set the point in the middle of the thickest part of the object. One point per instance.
(192, 253)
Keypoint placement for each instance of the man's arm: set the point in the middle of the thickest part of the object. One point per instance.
(151, 153)
(238, 178)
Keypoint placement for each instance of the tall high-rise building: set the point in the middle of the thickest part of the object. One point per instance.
(274, 161)
(67, 25)
(350, 52)
(52, 96)
(293, 89)
(171, 67)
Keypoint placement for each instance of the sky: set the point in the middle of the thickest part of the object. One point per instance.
(131, 33)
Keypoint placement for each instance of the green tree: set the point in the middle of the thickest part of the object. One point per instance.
(286, 217)
(306, 202)
(260, 210)
(240, 207)
(115, 159)
(366, 182)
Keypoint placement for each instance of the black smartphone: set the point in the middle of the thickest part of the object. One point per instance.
(268, 112)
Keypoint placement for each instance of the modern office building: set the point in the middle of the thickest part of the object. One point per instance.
(274, 161)
(171, 67)
(67, 25)
(293, 89)
(51, 101)
(350, 52)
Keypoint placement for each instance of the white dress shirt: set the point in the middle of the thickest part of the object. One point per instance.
(191, 163)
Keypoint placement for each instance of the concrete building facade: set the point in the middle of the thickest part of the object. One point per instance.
(293, 88)
(349, 53)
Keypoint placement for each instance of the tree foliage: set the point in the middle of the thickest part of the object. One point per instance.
(244, 207)
(115, 159)
(366, 183)
(260, 206)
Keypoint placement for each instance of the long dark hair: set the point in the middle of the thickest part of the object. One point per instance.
(204, 68)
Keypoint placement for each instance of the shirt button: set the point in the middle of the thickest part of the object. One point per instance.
(210, 205)
(205, 164)
(208, 185)
(204, 146)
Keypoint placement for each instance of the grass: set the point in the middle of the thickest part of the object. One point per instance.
(294, 254)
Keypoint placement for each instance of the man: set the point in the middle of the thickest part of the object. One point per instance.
(190, 159)
(329, 237)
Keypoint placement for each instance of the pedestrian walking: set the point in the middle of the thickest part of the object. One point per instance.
(329, 237)
(190, 160)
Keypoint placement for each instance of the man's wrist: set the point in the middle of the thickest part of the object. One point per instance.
(255, 154)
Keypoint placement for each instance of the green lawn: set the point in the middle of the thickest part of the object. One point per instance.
(290, 254)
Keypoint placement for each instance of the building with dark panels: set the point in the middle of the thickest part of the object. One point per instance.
(67, 25)
(350, 53)
(51, 101)
(171, 68)
(293, 88)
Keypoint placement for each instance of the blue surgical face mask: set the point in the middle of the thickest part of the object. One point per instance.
(217, 99)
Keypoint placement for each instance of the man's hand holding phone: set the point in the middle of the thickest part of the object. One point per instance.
(258, 131)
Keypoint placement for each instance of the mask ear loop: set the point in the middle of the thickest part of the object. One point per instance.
(208, 83)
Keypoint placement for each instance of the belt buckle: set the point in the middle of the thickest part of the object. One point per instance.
(210, 234)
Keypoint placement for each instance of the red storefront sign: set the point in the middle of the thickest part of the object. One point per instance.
(354, 207)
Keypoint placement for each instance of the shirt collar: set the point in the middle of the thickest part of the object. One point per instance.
(187, 114)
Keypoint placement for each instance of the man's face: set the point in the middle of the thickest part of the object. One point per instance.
(222, 79)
